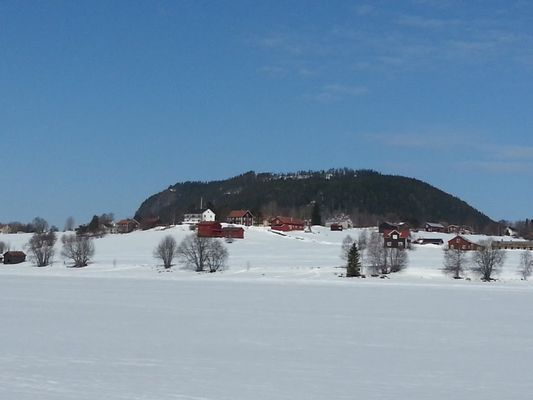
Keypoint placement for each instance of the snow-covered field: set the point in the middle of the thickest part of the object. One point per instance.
(278, 324)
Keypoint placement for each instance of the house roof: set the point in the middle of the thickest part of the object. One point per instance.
(463, 238)
(238, 213)
(404, 234)
(434, 225)
(15, 253)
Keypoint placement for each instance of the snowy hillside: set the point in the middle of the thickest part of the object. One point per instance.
(278, 324)
(262, 254)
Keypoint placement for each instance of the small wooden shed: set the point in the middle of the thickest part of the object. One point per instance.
(14, 257)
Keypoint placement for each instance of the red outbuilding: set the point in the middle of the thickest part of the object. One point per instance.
(209, 229)
(233, 232)
(285, 224)
(462, 243)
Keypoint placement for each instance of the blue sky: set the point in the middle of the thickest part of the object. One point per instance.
(105, 103)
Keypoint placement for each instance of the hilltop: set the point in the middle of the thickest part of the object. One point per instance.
(367, 196)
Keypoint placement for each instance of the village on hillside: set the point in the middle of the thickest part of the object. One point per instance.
(396, 239)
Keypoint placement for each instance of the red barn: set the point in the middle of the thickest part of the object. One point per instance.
(233, 232)
(461, 243)
(209, 229)
(240, 217)
(285, 224)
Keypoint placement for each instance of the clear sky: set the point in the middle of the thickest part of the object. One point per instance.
(103, 103)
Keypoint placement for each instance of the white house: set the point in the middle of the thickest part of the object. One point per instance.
(198, 216)
(208, 215)
(340, 219)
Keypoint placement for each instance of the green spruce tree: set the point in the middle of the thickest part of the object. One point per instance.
(316, 217)
(353, 268)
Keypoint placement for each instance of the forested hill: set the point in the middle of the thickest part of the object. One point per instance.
(367, 196)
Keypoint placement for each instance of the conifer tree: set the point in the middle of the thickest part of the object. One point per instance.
(316, 217)
(353, 268)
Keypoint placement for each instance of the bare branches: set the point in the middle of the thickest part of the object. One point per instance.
(41, 248)
(455, 262)
(526, 264)
(166, 250)
(488, 260)
(202, 254)
(77, 248)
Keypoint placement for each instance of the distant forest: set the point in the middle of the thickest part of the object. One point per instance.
(366, 196)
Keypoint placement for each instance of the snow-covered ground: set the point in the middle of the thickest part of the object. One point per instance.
(262, 254)
(278, 324)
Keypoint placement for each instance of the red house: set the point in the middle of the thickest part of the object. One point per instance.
(240, 217)
(461, 243)
(434, 227)
(127, 225)
(285, 224)
(396, 239)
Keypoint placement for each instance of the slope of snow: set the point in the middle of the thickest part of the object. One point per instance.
(262, 254)
(278, 324)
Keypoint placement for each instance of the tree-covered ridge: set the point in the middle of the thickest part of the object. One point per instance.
(366, 195)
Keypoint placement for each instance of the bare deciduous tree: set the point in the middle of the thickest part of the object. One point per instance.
(202, 254)
(488, 260)
(362, 243)
(347, 243)
(69, 224)
(77, 248)
(395, 260)
(40, 225)
(376, 254)
(166, 250)
(455, 262)
(41, 248)
(526, 264)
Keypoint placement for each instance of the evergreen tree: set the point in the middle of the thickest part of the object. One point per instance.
(353, 268)
(316, 217)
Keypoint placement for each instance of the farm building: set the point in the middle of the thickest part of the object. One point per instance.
(233, 232)
(387, 227)
(513, 245)
(342, 219)
(285, 224)
(240, 217)
(434, 227)
(396, 239)
(461, 243)
(429, 241)
(197, 216)
(14, 257)
(127, 225)
(336, 227)
(214, 229)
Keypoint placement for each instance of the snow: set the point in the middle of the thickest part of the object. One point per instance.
(278, 324)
